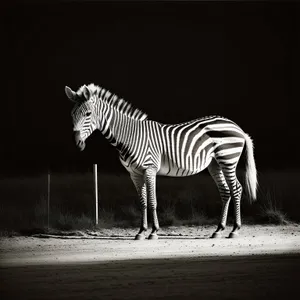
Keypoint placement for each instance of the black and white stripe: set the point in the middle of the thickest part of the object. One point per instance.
(148, 148)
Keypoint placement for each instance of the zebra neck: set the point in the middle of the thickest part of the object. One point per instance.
(120, 130)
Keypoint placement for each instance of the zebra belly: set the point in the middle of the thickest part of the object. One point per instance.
(173, 170)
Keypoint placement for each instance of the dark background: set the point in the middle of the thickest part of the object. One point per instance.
(174, 60)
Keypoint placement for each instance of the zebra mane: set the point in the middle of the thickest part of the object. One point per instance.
(114, 101)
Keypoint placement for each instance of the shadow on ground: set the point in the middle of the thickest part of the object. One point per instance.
(246, 277)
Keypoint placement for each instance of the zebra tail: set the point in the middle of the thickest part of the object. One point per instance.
(251, 173)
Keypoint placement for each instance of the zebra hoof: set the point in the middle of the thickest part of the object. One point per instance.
(216, 235)
(233, 235)
(153, 236)
(140, 237)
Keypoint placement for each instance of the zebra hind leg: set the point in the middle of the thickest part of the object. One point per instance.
(140, 186)
(219, 178)
(236, 192)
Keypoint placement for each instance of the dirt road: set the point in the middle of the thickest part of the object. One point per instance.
(260, 265)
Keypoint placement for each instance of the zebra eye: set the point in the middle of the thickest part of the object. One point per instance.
(88, 114)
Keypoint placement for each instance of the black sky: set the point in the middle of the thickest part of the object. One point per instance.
(174, 60)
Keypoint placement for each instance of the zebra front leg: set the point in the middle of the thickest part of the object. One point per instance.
(150, 178)
(219, 178)
(140, 185)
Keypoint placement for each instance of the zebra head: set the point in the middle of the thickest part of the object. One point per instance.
(83, 114)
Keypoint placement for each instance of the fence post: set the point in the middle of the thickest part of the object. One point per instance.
(96, 191)
(48, 200)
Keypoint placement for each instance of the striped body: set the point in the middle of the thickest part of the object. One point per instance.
(148, 148)
(182, 149)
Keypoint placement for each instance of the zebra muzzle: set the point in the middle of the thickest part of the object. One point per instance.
(79, 142)
(81, 145)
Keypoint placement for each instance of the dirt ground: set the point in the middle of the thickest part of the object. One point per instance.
(263, 262)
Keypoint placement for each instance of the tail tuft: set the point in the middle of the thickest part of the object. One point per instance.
(251, 173)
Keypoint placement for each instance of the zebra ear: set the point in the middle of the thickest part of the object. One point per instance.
(86, 92)
(70, 94)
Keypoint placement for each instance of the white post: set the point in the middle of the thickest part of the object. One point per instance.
(48, 201)
(96, 191)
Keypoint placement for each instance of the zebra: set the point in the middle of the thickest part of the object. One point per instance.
(148, 148)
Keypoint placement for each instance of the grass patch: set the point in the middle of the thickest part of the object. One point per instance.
(187, 201)
(106, 219)
(70, 222)
(198, 219)
(271, 211)
(131, 215)
(167, 217)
